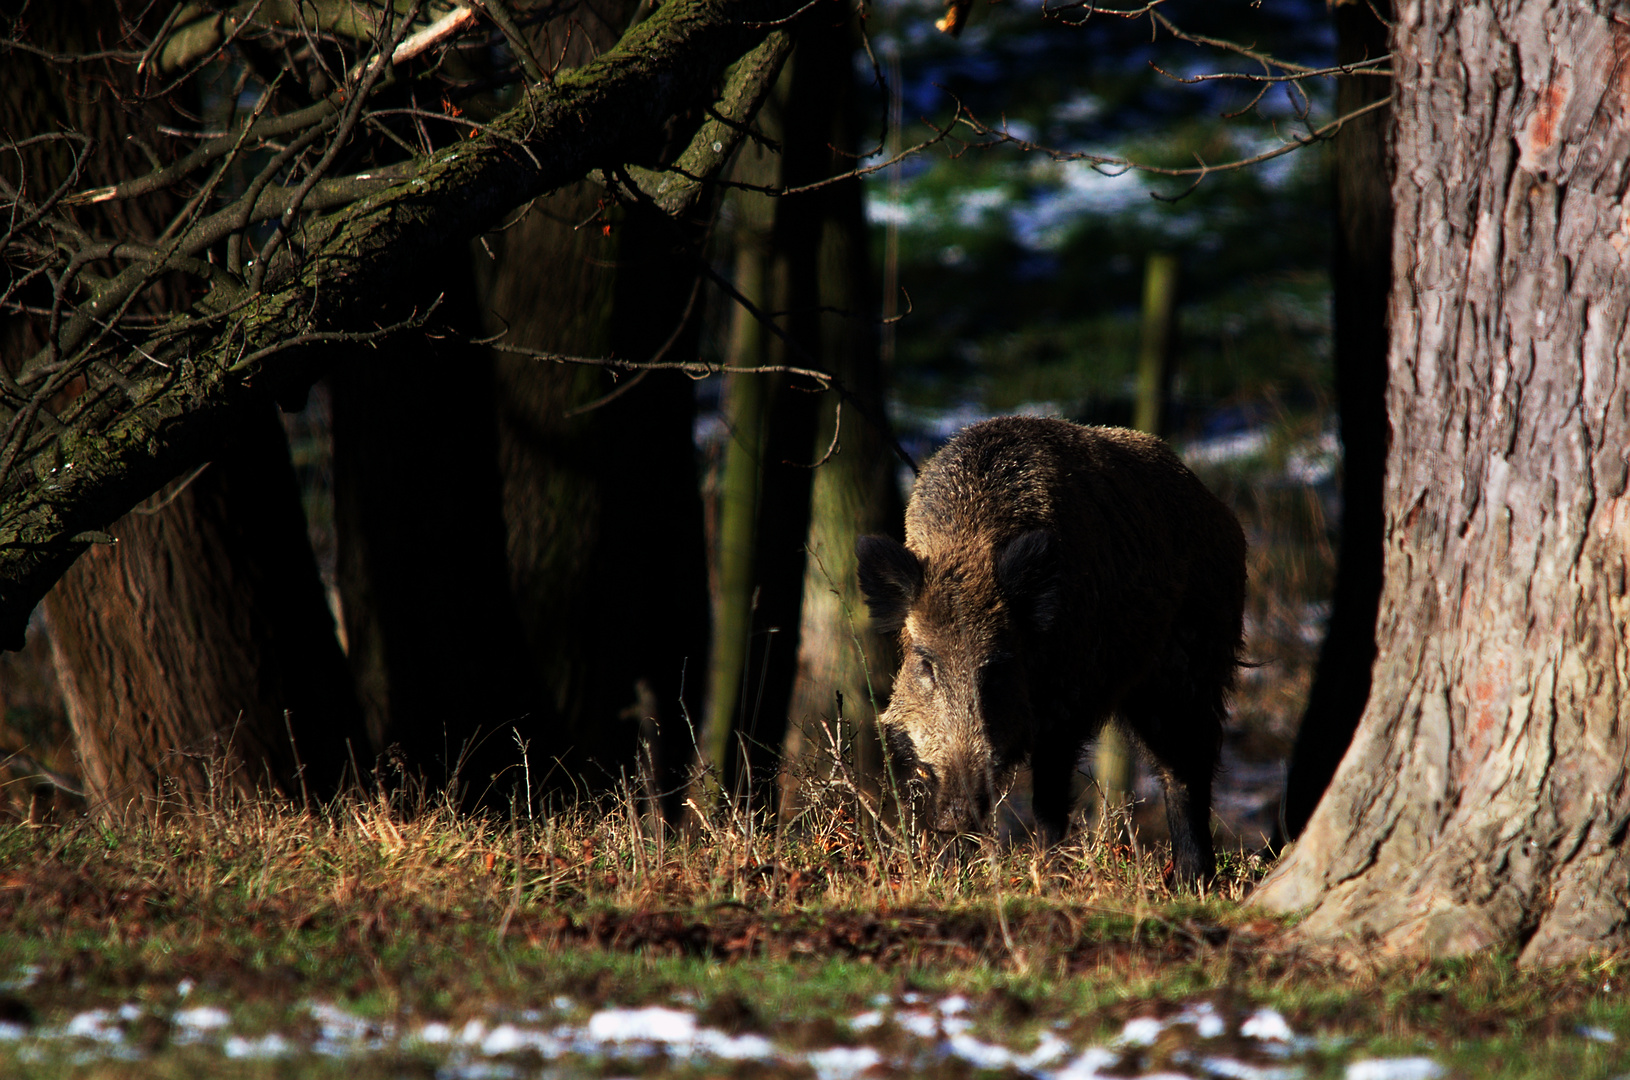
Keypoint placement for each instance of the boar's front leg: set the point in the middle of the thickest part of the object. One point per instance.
(1052, 783)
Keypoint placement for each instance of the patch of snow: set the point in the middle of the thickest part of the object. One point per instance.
(27, 975)
(1266, 1023)
(654, 1024)
(509, 1039)
(94, 1025)
(867, 1020)
(1598, 1034)
(1236, 446)
(1141, 1031)
(843, 1062)
(203, 1018)
(435, 1033)
(1089, 1065)
(1230, 1069)
(1049, 1048)
(735, 1047)
(1203, 1017)
(271, 1045)
(1409, 1068)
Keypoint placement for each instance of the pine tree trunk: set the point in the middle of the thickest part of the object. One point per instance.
(1485, 799)
(1362, 278)
(197, 654)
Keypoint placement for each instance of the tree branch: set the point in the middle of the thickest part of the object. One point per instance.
(353, 271)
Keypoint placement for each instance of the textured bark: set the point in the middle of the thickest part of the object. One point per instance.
(854, 492)
(1361, 272)
(1485, 799)
(198, 654)
(358, 268)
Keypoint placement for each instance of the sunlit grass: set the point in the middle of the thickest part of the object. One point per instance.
(400, 907)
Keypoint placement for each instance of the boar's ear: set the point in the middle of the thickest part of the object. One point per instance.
(890, 576)
(1027, 572)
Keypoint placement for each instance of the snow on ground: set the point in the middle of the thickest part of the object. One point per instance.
(1200, 1040)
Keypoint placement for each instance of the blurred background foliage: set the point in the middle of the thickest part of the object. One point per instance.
(1025, 272)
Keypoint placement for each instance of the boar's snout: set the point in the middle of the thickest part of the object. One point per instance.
(960, 801)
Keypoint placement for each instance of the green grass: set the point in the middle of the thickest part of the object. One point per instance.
(409, 918)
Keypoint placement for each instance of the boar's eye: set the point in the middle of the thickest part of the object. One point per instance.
(923, 661)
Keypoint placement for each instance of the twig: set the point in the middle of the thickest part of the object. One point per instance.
(413, 322)
(499, 13)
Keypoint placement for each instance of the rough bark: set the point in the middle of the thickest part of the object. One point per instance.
(197, 651)
(197, 654)
(1361, 274)
(1486, 796)
(357, 265)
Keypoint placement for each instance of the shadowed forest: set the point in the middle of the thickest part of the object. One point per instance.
(434, 443)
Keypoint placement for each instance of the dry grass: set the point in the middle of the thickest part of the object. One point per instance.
(401, 907)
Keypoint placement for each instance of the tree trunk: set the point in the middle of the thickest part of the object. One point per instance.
(1361, 272)
(1485, 799)
(601, 505)
(765, 489)
(843, 669)
(571, 594)
(197, 654)
(432, 634)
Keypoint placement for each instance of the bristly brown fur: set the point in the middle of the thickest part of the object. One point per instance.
(1055, 575)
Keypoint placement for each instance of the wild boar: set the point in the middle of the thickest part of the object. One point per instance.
(1054, 576)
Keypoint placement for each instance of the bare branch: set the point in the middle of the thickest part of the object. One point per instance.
(1115, 166)
(696, 369)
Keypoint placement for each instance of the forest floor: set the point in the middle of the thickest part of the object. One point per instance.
(371, 938)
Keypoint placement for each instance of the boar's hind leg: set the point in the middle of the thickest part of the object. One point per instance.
(1183, 733)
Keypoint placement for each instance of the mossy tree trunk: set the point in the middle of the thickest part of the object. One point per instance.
(766, 486)
(1485, 800)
